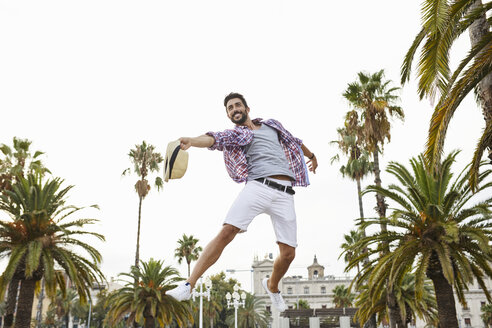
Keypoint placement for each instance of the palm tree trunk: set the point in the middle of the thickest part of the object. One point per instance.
(188, 269)
(24, 304)
(11, 303)
(477, 30)
(149, 322)
(359, 194)
(446, 307)
(393, 308)
(381, 205)
(137, 252)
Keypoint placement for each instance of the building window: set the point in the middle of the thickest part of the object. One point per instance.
(268, 308)
(290, 307)
(289, 290)
(467, 322)
(306, 290)
(315, 274)
(323, 306)
(323, 290)
(482, 304)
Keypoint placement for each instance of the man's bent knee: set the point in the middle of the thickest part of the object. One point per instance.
(228, 232)
(287, 253)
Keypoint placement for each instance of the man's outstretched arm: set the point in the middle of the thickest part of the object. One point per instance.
(203, 141)
(313, 162)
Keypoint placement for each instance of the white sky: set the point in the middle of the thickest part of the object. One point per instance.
(87, 80)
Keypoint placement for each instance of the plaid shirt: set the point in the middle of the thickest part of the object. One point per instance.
(232, 142)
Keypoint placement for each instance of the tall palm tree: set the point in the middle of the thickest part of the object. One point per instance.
(253, 314)
(349, 251)
(437, 231)
(372, 96)
(358, 162)
(147, 303)
(443, 22)
(17, 159)
(42, 235)
(187, 250)
(342, 297)
(145, 161)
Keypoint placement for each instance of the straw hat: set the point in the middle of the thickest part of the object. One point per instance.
(175, 162)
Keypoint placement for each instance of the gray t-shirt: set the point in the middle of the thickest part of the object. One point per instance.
(265, 155)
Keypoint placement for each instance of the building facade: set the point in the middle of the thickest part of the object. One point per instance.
(317, 289)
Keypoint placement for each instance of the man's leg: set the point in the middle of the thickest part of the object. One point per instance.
(212, 252)
(281, 265)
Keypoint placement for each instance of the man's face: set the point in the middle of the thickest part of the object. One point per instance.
(236, 111)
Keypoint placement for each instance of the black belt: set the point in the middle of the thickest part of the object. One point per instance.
(278, 186)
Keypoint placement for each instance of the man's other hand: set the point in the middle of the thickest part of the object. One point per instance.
(185, 143)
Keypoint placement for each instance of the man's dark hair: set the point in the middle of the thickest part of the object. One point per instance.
(233, 95)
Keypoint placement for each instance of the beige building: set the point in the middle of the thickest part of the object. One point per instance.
(317, 289)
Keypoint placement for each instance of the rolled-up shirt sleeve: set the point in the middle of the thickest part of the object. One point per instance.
(235, 137)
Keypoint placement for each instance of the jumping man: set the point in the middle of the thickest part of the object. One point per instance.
(270, 160)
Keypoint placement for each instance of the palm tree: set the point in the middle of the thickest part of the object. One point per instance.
(374, 99)
(147, 303)
(145, 160)
(253, 314)
(358, 163)
(435, 233)
(351, 239)
(487, 315)
(212, 307)
(187, 250)
(443, 22)
(14, 163)
(38, 238)
(342, 297)
(424, 308)
(17, 159)
(63, 304)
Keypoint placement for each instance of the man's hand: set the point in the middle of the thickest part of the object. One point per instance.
(312, 164)
(185, 143)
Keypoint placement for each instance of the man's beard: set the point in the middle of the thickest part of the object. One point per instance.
(241, 120)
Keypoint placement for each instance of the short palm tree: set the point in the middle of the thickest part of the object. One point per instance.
(424, 308)
(342, 297)
(253, 314)
(212, 307)
(18, 160)
(437, 231)
(487, 315)
(145, 161)
(349, 251)
(40, 235)
(63, 305)
(442, 24)
(187, 250)
(147, 303)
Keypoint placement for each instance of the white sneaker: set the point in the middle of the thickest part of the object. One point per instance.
(276, 298)
(181, 293)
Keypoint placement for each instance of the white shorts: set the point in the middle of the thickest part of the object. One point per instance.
(257, 198)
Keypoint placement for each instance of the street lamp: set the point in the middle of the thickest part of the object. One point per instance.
(235, 301)
(201, 293)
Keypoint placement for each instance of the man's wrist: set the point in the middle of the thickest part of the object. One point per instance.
(312, 156)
